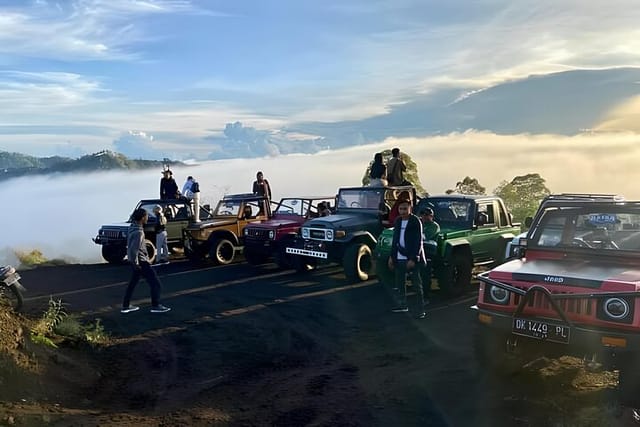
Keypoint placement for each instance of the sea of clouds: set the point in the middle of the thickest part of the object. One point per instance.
(59, 214)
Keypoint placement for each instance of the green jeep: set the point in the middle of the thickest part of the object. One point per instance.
(349, 235)
(474, 231)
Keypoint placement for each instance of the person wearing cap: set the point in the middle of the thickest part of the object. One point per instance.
(430, 231)
(140, 265)
(407, 254)
(168, 186)
(162, 255)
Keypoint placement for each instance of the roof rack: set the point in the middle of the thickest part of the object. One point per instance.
(585, 196)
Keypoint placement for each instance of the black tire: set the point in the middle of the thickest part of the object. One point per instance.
(222, 251)
(456, 276)
(151, 250)
(114, 254)
(12, 297)
(358, 262)
(254, 257)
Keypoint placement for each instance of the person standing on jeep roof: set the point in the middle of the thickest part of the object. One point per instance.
(168, 186)
(186, 188)
(161, 236)
(139, 259)
(261, 186)
(396, 168)
(378, 173)
(406, 256)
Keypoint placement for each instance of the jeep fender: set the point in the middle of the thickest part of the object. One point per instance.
(223, 234)
(361, 237)
(462, 245)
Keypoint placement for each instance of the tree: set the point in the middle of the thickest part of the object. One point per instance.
(411, 174)
(468, 186)
(523, 194)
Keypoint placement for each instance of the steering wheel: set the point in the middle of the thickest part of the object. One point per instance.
(355, 204)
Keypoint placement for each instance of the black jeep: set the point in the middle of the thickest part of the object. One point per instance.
(349, 236)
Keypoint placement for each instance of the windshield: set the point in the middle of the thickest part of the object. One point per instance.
(615, 228)
(452, 214)
(360, 198)
(293, 207)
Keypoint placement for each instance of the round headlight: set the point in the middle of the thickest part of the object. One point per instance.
(305, 233)
(499, 295)
(272, 234)
(329, 234)
(616, 308)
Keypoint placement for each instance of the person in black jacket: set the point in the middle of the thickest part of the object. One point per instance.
(168, 186)
(406, 256)
(378, 173)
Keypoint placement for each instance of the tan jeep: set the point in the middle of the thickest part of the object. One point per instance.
(219, 237)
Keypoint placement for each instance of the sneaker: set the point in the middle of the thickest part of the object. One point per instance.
(129, 309)
(400, 309)
(159, 309)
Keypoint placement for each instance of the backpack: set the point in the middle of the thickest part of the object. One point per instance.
(195, 187)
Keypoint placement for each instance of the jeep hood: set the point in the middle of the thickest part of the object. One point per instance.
(212, 223)
(116, 225)
(341, 221)
(593, 274)
(275, 223)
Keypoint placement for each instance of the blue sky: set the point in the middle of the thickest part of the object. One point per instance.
(168, 77)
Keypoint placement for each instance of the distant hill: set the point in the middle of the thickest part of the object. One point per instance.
(15, 164)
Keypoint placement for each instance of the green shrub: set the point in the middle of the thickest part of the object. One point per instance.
(29, 259)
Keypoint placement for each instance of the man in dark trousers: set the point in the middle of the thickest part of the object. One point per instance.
(140, 264)
(406, 256)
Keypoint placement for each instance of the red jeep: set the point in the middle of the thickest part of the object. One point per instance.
(575, 291)
(266, 239)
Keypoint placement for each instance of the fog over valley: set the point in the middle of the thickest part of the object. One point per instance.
(59, 214)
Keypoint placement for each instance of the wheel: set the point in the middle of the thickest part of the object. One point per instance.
(114, 254)
(222, 251)
(357, 262)
(151, 250)
(11, 297)
(253, 257)
(457, 274)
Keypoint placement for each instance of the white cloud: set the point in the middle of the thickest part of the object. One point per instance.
(595, 163)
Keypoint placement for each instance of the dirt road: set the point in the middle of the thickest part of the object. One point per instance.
(245, 346)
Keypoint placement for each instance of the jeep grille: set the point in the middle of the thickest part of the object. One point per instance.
(257, 233)
(569, 306)
(320, 234)
(111, 234)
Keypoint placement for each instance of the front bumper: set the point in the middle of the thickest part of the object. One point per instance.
(320, 250)
(582, 338)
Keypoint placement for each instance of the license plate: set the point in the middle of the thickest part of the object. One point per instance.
(541, 330)
(307, 252)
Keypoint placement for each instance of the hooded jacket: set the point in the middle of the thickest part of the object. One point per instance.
(136, 249)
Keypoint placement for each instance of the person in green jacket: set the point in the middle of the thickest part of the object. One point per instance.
(430, 231)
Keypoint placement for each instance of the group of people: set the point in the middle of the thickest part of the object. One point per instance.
(392, 173)
(412, 249)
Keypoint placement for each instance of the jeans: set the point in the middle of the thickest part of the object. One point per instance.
(426, 274)
(150, 276)
(400, 281)
(161, 246)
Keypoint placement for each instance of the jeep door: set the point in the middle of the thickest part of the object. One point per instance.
(486, 239)
(178, 218)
